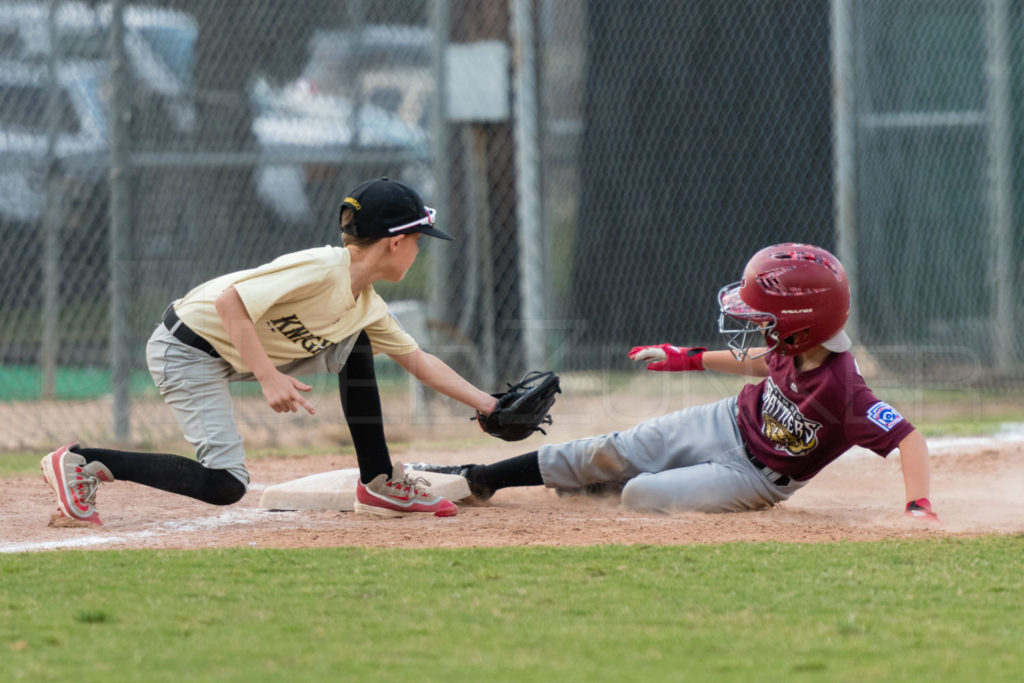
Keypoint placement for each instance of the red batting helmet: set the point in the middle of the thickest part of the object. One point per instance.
(787, 289)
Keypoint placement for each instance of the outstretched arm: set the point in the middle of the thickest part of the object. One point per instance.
(667, 357)
(724, 361)
(437, 375)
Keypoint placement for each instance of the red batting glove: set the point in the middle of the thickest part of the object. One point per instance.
(667, 357)
(921, 509)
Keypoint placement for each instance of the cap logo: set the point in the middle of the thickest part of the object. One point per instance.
(354, 203)
(426, 220)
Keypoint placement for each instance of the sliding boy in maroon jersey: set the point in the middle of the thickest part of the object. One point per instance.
(758, 448)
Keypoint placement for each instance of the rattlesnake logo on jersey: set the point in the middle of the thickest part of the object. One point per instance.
(784, 425)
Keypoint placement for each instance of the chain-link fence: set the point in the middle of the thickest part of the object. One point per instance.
(604, 166)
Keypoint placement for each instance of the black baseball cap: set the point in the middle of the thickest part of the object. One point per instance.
(385, 208)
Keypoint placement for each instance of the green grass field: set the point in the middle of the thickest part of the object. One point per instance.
(947, 610)
(930, 610)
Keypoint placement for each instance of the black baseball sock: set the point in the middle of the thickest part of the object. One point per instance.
(522, 470)
(172, 473)
(360, 401)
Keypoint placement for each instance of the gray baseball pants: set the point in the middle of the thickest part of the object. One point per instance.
(693, 459)
(195, 385)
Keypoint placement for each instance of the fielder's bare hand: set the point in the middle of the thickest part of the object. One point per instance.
(282, 393)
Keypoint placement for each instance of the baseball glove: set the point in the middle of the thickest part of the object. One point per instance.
(523, 408)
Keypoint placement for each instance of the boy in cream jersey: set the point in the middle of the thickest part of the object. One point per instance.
(306, 312)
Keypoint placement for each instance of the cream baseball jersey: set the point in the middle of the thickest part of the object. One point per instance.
(300, 303)
(798, 422)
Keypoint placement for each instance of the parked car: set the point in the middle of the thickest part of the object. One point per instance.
(27, 145)
(57, 167)
(357, 109)
(160, 47)
(387, 65)
(159, 43)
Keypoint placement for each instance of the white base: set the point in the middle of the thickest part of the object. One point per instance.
(337, 490)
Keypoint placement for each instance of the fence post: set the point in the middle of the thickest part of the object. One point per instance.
(997, 71)
(52, 215)
(528, 194)
(439, 306)
(844, 163)
(120, 212)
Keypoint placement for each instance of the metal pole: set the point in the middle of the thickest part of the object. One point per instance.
(478, 200)
(120, 213)
(1000, 184)
(844, 124)
(355, 14)
(528, 194)
(440, 259)
(52, 214)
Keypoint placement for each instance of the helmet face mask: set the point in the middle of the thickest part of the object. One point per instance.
(793, 296)
(742, 326)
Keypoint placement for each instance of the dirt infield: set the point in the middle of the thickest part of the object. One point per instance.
(976, 490)
(976, 485)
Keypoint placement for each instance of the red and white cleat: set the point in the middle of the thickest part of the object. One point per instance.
(400, 496)
(74, 482)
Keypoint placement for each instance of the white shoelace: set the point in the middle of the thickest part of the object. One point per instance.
(88, 482)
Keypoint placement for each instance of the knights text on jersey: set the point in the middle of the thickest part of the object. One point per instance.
(300, 303)
(797, 422)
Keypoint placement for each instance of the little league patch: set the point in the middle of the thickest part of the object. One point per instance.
(884, 415)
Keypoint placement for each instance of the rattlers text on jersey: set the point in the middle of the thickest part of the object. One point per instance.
(797, 422)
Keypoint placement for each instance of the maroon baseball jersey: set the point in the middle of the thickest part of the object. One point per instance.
(797, 422)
